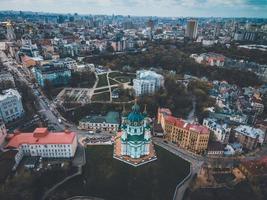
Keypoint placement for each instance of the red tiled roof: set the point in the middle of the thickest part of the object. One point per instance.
(199, 128)
(41, 136)
(178, 122)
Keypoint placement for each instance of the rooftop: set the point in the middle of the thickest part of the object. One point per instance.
(9, 93)
(110, 117)
(178, 122)
(48, 68)
(41, 136)
(249, 131)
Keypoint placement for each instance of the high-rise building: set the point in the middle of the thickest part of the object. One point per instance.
(191, 29)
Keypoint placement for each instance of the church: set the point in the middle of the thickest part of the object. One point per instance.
(136, 134)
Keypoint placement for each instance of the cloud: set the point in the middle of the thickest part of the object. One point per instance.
(249, 8)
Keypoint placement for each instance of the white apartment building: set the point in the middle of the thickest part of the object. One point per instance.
(221, 131)
(43, 143)
(10, 105)
(147, 82)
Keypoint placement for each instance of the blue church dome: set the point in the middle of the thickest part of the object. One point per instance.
(135, 115)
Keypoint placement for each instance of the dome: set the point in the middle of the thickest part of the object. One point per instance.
(135, 115)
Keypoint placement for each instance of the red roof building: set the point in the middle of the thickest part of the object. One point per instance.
(43, 143)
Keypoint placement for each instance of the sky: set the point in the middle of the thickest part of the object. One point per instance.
(170, 8)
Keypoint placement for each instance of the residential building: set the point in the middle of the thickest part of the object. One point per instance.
(10, 105)
(136, 134)
(56, 75)
(211, 59)
(147, 82)
(6, 80)
(43, 143)
(109, 122)
(220, 130)
(215, 149)
(3, 132)
(191, 29)
(162, 112)
(232, 149)
(248, 136)
(193, 137)
(70, 63)
(257, 105)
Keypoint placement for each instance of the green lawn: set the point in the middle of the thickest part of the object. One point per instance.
(121, 77)
(115, 74)
(108, 178)
(103, 81)
(112, 82)
(101, 90)
(105, 96)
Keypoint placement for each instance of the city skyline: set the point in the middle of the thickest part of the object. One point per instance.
(162, 8)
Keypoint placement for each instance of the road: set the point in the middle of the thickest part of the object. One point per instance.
(47, 108)
(195, 161)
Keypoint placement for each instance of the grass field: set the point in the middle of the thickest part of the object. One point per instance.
(103, 81)
(121, 77)
(108, 178)
(112, 82)
(105, 96)
(101, 90)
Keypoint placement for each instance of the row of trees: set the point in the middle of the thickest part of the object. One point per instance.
(176, 58)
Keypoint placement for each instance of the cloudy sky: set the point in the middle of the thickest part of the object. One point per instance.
(220, 8)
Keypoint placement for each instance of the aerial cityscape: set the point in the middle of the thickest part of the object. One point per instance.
(133, 100)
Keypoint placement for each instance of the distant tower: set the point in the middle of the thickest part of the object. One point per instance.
(191, 29)
(10, 35)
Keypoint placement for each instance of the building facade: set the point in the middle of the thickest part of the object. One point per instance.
(147, 82)
(109, 122)
(6, 80)
(136, 134)
(3, 132)
(221, 131)
(193, 137)
(56, 75)
(211, 59)
(43, 143)
(10, 105)
(191, 29)
(249, 137)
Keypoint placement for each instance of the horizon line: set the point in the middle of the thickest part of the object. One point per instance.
(88, 14)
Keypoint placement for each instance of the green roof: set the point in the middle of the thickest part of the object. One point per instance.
(135, 115)
(110, 118)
